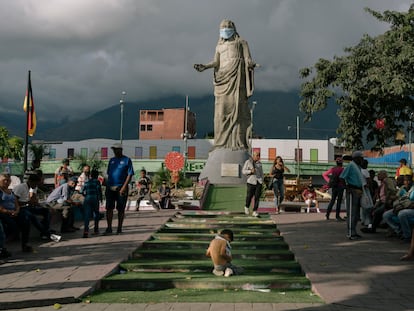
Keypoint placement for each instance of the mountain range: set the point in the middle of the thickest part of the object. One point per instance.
(274, 116)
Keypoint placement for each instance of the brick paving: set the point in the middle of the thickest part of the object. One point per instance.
(349, 275)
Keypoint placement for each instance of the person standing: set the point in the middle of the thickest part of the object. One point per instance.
(92, 193)
(233, 85)
(63, 173)
(252, 168)
(120, 172)
(83, 177)
(277, 174)
(337, 185)
(354, 182)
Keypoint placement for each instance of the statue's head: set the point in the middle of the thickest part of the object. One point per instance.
(227, 29)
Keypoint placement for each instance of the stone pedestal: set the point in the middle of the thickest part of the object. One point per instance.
(224, 166)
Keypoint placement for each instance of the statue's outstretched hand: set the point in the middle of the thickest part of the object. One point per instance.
(199, 67)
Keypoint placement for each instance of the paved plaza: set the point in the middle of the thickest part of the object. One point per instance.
(349, 275)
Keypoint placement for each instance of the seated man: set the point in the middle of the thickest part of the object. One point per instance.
(386, 195)
(398, 218)
(61, 199)
(309, 196)
(26, 194)
(13, 219)
(144, 190)
(220, 252)
(165, 195)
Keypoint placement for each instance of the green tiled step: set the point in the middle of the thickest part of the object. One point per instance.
(228, 225)
(241, 245)
(223, 215)
(216, 229)
(158, 281)
(191, 236)
(262, 254)
(222, 220)
(165, 265)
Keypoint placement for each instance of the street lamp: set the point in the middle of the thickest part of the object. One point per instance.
(298, 146)
(121, 104)
(254, 103)
(297, 151)
(186, 135)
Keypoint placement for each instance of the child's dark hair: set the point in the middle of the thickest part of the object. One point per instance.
(228, 232)
(94, 174)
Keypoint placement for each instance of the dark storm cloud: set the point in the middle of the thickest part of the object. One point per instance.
(83, 54)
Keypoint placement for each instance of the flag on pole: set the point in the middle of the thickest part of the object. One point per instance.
(29, 105)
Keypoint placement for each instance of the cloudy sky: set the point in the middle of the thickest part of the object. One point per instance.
(84, 53)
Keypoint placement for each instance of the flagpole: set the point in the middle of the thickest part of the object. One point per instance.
(26, 143)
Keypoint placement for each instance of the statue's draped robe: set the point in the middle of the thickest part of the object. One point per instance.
(233, 83)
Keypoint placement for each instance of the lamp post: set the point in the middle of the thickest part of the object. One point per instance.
(186, 135)
(298, 145)
(297, 151)
(121, 104)
(254, 103)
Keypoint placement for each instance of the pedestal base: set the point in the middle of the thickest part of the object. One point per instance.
(224, 166)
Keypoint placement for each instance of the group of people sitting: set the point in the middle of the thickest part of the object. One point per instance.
(384, 201)
(393, 205)
(21, 208)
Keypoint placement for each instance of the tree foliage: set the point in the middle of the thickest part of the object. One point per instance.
(372, 80)
(38, 151)
(10, 147)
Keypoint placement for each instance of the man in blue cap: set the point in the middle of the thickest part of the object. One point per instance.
(120, 172)
(354, 183)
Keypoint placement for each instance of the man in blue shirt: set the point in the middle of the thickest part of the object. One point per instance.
(120, 172)
(354, 183)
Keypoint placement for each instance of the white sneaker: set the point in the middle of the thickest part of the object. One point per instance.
(255, 214)
(218, 273)
(246, 211)
(228, 272)
(55, 237)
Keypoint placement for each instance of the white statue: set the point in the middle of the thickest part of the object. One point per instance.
(233, 85)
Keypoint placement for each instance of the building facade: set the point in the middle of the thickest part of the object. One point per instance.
(308, 150)
(166, 124)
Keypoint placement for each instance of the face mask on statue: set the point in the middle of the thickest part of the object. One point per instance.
(226, 33)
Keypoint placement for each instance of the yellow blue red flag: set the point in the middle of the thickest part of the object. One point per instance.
(29, 105)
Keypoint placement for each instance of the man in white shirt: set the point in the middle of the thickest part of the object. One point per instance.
(26, 194)
(252, 168)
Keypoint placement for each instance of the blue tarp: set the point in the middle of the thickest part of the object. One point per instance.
(391, 158)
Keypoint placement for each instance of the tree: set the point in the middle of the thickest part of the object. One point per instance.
(94, 161)
(10, 147)
(372, 81)
(38, 151)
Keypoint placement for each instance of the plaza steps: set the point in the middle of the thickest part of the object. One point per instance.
(174, 256)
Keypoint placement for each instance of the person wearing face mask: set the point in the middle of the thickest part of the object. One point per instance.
(233, 85)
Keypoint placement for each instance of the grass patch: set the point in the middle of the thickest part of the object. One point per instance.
(201, 295)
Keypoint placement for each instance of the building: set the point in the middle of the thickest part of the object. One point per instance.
(313, 151)
(167, 123)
